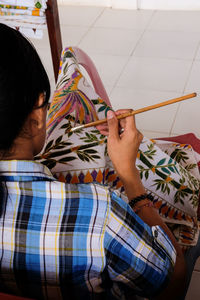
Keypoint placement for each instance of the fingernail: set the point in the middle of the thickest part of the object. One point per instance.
(110, 114)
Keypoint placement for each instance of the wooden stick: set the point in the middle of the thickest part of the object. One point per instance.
(137, 111)
(55, 39)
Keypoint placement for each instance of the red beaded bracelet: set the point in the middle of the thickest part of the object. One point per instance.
(139, 198)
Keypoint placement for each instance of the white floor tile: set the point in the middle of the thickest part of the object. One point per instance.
(193, 83)
(198, 54)
(79, 15)
(159, 69)
(187, 118)
(155, 74)
(110, 41)
(127, 19)
(194, 288)
(114, 66)
(158, 120)
(45, 55)
(108, 89)
(154, 134)
(72, 35)
(166, 44)
(187, 21)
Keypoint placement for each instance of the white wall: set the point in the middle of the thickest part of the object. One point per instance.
(142, 4)
(169, 4)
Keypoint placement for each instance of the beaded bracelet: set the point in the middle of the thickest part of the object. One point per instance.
(139, 198)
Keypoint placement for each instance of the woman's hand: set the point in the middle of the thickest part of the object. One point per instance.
(103, 128)
(123, 145)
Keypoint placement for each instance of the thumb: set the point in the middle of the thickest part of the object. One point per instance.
(112, 124)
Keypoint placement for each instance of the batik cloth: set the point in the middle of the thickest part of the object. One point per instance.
(27, 16)
(65, 241)
(169, 171)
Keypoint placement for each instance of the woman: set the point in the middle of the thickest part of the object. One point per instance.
(61, 240)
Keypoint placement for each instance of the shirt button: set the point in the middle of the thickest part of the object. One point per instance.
(156, 233)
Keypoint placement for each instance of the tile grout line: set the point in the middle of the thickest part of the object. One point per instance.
(145, 29)
(184, 88)
(131, 54)
(91, 26)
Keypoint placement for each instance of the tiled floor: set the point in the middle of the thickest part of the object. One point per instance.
(143, 57)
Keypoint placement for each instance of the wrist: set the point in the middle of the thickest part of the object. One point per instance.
(136, 201)
(132, 183)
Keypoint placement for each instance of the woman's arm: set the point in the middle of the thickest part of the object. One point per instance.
(123, 149)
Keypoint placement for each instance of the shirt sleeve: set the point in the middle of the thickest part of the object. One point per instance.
(140, 258)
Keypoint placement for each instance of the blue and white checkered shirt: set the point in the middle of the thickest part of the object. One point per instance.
(64, 241)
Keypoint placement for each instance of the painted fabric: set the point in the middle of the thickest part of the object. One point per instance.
(168, 170)
(60, 241)
(27, 16)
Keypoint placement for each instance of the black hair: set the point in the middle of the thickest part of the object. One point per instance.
(22, 79)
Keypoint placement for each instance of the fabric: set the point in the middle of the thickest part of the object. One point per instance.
(27, 16)
(60, 241)
(191, 139)
(168, 170)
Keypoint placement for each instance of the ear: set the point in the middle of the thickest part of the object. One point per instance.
(37, 117)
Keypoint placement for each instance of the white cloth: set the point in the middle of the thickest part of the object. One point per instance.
(27, 3)
(27, 16)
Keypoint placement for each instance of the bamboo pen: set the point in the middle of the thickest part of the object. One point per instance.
(137, 111)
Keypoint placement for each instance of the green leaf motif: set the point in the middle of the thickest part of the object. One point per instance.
(90, 151)
(58, 140)
(95, 101)
(49, 163)
(66, 159)
(65, 69)
(146, 174)
(171, 169)
(38, 5)
(102, 108)
(190, 167)
(68, 54)
(166, 170)
(48, 146)
(96, 156)
(161, 162)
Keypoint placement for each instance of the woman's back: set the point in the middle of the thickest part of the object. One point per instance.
(51, 232)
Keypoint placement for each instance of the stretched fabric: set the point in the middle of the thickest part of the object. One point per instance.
(168, 170)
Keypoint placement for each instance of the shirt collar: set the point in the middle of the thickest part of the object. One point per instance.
(24, 170)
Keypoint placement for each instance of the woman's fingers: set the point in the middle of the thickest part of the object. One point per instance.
(122, 122)
(103, 128)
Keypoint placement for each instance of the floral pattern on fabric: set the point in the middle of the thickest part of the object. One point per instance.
(168, 170)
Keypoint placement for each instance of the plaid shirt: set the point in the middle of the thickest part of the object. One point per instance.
(63, 241)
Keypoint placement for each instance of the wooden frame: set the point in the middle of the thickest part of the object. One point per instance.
(53, 25)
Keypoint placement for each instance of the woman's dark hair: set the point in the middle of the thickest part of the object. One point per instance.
(22, 79)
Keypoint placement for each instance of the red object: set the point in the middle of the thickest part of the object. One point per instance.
(188, 138)
(84, 60)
